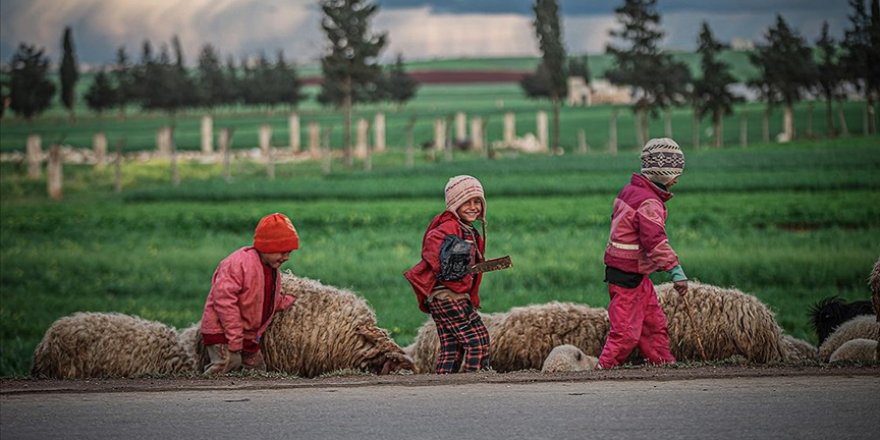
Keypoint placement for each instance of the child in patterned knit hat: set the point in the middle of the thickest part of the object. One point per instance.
(442, 285)
(245, 295)
(637, 247)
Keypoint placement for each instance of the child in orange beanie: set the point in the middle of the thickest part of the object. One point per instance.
(442, 284)
(245, 294)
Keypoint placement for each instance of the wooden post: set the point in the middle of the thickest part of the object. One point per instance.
(315, 140)
(612, 132)
(265, 139)
(360, 146)
(225, 149)
(460, 127)
(447, 137)
(583, 147)
(54, 174)
(844, 128)
(34, 156)
(485, 153)
(509, 128)
(293, 126)
(326, 162)
(99, 143)
(175, 176)
(477, 133)
(207, 134)
(379, 132)
(410, 148)
(117, 167)
(744, 129)
(163, 141)
(543, 137)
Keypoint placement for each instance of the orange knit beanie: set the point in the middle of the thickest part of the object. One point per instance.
(275, 233)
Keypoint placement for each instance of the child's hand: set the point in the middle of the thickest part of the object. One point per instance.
(681, 287)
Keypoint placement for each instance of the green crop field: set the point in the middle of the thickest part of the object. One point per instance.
(791, 224)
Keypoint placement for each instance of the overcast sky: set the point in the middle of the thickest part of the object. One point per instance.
(419, 29)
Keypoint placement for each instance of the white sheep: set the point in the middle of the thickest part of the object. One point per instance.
(523, 337)
(567, 357)
(860, 327)
(729, 322)
(855, 350)
(798, 350)
(86, 345)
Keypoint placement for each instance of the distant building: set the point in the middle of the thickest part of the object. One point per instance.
(741, 44)
(599, 91)
(578, 92)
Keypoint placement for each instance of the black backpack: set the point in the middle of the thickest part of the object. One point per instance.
(455, 257)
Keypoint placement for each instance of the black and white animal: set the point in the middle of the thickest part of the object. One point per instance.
(827, 314)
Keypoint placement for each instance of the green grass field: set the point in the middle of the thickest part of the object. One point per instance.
(790, 224)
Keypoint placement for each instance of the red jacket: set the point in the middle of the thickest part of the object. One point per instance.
(235, 304)
(423, 276)
(638, 241)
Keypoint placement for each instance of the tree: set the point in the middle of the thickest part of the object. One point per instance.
(210, 78)
(29, 89)
(126, 87)
(657, 80)
(286, 85)
(829, 74)
(787, 69)
(232, 93)
(711, 94)
(579, 67)
(349, 67)
(101, 94)
(553, 72)
(861, 61)
(69, 73)
(398, 86)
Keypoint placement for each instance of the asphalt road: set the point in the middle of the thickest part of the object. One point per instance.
(803, 407)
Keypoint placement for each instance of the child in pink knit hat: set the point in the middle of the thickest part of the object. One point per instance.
(441, 281)
(245, 295)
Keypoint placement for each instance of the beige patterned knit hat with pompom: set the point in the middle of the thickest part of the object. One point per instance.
(662, 160)
(462, 188)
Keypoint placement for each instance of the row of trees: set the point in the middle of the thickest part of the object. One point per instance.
(161, 82)
(789, 68)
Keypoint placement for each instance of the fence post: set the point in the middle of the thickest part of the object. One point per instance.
(583, 147)
(477, 133)
(460, 127)
(265, 139)
(360, 146)
(612, 132)
(99, 144)
(225, 150)
(163, 140)
(326, 161)
(410, 140)
(844, 128)
(315, 140)
(207, 134)
(379, 132)
(175, 177)
(34, 156)
(293, 126)
(509, 128)
(543, 137)
(54, 173)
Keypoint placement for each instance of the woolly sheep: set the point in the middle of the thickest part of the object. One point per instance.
(568, 358)
(827, 314)
(855, 350)
(874, 281)
(798, 350)
(86, 345)
(865, 326)
(729, 322)
(523, 337)
(327, 329)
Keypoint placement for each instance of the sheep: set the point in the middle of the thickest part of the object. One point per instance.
(827, 314)
(798, 350)
(729, 322)
(855, 350)
(91, 345)
(874, 281)
(523, 337)
(567, 357)
(865, 326)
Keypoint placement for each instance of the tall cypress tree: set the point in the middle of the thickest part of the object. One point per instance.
(29, 89)
(862, 53)
(829, 74)
(658, 81)
(350, 67)
(553, 59)
(101, 94)
(787, 68)
(211, 80)
(711, 95)
(399, 87)
(123, 73)
(69, 72)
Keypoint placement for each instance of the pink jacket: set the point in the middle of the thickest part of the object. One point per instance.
(235, 304)
(638, 241)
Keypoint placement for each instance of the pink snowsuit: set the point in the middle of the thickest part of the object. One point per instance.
(638, 245)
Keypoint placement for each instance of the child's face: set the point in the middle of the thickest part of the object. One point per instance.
(672, 182)
(274, 259)
(470, 210)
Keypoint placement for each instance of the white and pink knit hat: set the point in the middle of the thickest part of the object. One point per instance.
(662, 160)
(462, 188)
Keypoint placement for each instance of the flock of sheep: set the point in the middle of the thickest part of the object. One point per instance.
(330, 329)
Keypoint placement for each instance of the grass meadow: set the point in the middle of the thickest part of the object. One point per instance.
(791, 224)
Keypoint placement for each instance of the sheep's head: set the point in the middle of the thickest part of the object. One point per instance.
(827, 314)
(382, 355)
